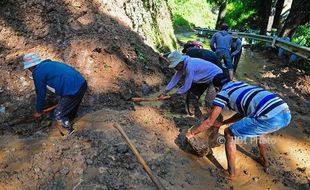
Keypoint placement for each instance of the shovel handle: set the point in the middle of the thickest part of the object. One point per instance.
(49, 109)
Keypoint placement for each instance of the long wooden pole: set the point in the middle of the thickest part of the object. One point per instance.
(150, 99)
(158, 184)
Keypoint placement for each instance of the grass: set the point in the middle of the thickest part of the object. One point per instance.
(187, 14)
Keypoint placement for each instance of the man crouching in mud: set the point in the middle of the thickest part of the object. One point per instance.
(62, 80)
(259, 112)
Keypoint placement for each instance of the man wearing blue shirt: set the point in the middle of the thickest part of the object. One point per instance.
(236, 50)
(198, 75)
(192, 50)
(221, 43)
(62, 80)
(259, 112)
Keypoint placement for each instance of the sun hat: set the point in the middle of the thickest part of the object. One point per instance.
(30, 60)
(220, 79)
(234, 35)
(175, 58)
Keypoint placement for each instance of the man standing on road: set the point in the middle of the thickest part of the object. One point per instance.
(198, 76)
(259, 112)
(236, 50)
(62, 80)
(192, 50)
(223, 41)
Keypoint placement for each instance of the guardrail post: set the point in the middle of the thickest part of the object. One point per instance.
(274, 40)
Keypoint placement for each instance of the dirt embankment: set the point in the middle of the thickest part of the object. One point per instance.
(104, 40)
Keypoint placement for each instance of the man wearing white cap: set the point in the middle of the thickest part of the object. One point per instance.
(198, 75)
(236, 50)
(62, 80)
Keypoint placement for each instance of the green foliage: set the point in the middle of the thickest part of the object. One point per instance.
(240, 14)
(302, 35)
(187, 14)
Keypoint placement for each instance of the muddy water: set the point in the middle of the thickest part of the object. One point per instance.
(96, 156)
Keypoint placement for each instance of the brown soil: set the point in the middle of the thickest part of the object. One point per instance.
(118, 66)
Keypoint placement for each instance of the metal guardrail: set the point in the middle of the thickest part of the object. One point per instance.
(275, 41)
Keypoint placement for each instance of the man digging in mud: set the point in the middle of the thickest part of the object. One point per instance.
(62, 80)
(259, 112)
(198, 77)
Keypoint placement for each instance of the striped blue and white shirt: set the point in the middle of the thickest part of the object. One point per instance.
(248, 100)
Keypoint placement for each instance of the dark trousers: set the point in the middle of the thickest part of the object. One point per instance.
(235, 60)
(194, 94)
(67, 107)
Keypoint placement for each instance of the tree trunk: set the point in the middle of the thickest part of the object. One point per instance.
(221, 15)
(299, 15)
(264, 13)
(277, 15)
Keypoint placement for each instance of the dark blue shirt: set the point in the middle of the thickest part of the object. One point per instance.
(202, 54)
(60, 78)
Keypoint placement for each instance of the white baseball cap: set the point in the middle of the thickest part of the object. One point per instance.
(175, 58)
(30, 60)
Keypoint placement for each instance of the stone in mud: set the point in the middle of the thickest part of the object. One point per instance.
(122, 149)
(203, 142)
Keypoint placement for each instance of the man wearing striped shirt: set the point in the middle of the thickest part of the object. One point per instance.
(259, 112)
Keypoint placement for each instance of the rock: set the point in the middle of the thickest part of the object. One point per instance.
(102, 169)
(64, 171)
(2, 109)
(145, 89)
(122, 148)
(89, 161)
(302, 170)
(255, 179)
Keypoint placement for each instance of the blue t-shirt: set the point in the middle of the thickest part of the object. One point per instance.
(61, 79)
(202, 54)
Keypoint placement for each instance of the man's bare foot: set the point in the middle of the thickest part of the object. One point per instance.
(225, 174)
(263, 163)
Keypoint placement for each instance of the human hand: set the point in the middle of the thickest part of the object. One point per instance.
(37, 115)
(189, 135)
(217, 124)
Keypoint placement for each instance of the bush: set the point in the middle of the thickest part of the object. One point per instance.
(302, 35)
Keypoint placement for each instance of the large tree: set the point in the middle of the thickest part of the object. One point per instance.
(264, 10)
(299, 15)
(277, 15)
(222, 11)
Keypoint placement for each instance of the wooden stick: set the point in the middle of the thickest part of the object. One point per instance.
(150, 99)
(158, 184)
(49, 109)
